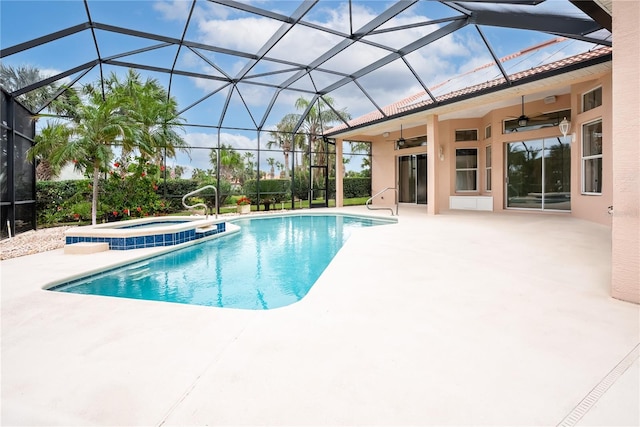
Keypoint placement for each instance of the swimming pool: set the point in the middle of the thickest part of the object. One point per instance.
(270, 263)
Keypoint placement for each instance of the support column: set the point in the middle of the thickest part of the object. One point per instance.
(625, 226)
(433, 207)
(339, 174)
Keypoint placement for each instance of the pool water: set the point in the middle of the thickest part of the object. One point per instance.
(270, 263)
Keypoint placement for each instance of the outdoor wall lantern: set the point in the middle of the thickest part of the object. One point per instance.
(564, 127)
(441, 153)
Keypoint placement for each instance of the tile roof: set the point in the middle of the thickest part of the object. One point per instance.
(418, 101)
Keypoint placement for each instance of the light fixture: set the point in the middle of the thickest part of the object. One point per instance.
(385, 135)
(441, 153)
(564, 127)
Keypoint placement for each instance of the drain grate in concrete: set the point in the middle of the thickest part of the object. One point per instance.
(596, 393)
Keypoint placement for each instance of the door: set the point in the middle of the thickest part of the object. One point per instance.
(539, 174)
(322, 154)
(412, 179)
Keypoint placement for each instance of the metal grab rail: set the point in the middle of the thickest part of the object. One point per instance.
(368, 203)
(215, 190)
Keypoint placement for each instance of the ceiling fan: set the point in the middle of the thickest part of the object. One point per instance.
(523, 119)
(401, 140)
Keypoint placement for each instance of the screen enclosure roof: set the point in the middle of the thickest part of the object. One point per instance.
(241, 65)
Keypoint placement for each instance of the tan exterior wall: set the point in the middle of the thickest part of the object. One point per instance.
(620, 113)
(385, 159)
(625, 237)
(589, 206)
(383, 169)
(443, 172)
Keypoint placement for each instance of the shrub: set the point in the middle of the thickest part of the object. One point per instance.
(301, 185)
(356, 187)
(54, 198)
(268, 191)
(174, 189)
(80, 211)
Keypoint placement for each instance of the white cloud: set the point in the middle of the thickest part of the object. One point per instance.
(173, 9)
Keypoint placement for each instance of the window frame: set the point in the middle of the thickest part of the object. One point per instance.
(487, 131)
(587, 158)
(582, 99)
(476, 170)
(455, 135)
(488, 151)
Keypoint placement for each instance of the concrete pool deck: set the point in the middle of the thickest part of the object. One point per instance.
(463, 318)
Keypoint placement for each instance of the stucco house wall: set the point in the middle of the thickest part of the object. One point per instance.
(625, 255)
(589, 206)
(585, 206)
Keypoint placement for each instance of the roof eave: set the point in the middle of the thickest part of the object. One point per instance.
(475, 94)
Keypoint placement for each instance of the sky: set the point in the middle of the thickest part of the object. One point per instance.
(437, 64)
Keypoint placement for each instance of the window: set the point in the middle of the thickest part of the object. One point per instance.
(487, 132)
(466, 169)
(487, 168)
(538, 174)
(592, 99)
(592, 157)
(466, 135)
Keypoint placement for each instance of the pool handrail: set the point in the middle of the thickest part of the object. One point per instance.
(368, 202)
(194, 192)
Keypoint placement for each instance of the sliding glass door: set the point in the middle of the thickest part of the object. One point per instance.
(412, 179)
(539, 174)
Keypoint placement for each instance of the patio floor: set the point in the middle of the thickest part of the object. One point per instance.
(462, 318)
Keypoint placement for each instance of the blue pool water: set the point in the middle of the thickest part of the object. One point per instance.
(271, 262)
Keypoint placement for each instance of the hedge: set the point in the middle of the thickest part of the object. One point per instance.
(60, 201)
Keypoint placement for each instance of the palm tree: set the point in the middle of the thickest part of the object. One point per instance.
(13, 79)
(272, 162)
(249, 172)
(230, 161)
(318, 119)
(87, 139)
(155, 113)
(124, 116)
(285, 139)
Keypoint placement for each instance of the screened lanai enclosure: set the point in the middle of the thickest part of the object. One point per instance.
(254, 87)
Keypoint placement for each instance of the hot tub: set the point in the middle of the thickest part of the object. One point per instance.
(146, 232)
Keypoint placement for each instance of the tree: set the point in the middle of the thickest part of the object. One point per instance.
(123, 116)
(12, 79)
(319, 118)
(230, 161)
(155, 114)
(86, 140)
(176, 172)
(280, 167)
(271, 162)
(284, 138)
(249, 171)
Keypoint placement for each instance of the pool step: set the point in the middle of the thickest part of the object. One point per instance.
(83, 248)
(206, 228)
